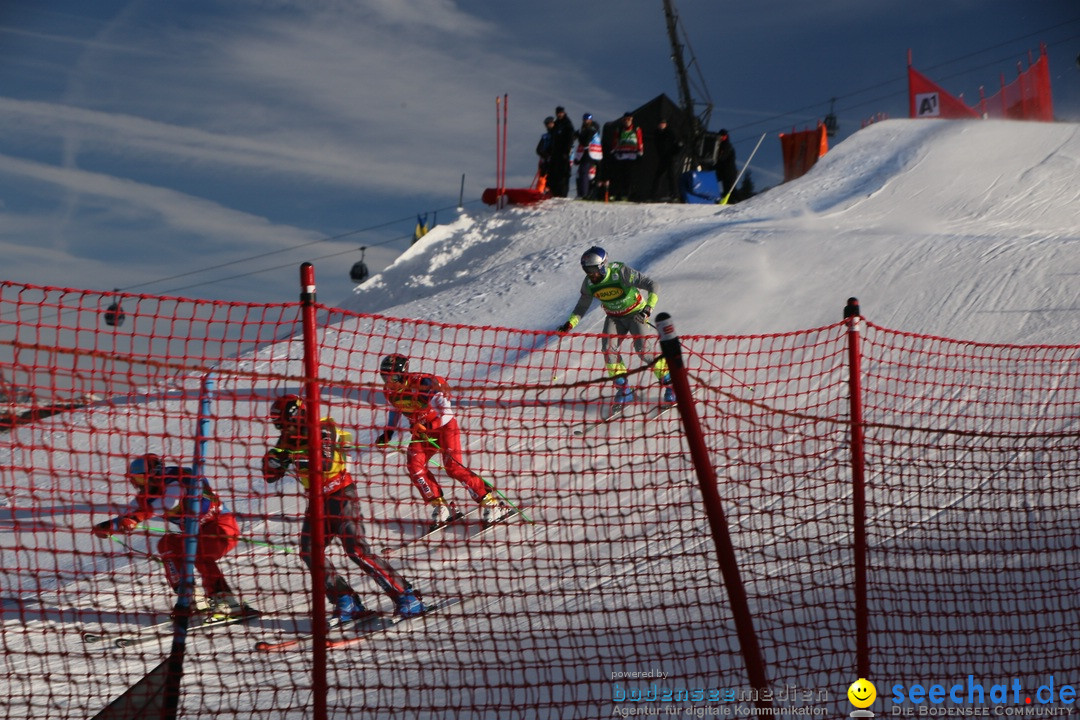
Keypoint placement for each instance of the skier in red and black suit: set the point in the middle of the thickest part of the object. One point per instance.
(340, 511)
(161, 494)
(422, 399)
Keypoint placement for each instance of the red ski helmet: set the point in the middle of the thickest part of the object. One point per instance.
(288, 410)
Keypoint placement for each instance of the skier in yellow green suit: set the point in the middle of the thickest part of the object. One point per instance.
(628, 297)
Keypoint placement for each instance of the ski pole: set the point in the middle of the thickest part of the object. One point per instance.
(555, 370)
(714, 365)
(725, 372)
(739, 176)
(249, 541)
(140, 553)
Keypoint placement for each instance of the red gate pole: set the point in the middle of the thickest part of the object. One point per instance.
(315, 517)
(498, 155)
(725, 551)
(858, 490)
(506, 121)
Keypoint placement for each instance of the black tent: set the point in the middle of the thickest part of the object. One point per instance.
(647, 117)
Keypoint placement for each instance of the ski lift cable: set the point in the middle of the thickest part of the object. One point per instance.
(274, 252)
(274, 268)
(394, 239)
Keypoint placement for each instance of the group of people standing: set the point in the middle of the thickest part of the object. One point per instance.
(605, 159)
(420, 403)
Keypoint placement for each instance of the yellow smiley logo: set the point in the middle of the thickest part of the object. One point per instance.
(862, 693)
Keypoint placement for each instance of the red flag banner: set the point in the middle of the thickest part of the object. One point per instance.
(802, 149)
(928, 100)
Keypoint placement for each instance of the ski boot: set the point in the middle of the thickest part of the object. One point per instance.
(669, 392)
(625, 393)
(409, 604)
(348, 608)
(224, 604)
(491, 510)
(440, 514)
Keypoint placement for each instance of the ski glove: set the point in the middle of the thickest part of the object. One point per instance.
(565, 327)
(275, 463)
(419, 431)
(385, 438)
(643, 316)
(116, 525)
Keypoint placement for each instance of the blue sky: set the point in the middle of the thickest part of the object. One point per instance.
(205, 149)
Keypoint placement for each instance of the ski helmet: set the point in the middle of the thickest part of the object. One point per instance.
(392, 367)
(288, 410)
(594, 261)
(142, 468)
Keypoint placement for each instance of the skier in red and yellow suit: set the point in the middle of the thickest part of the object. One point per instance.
(422, 400)
(341, 510)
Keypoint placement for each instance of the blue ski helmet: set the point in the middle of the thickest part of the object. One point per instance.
(594, 261)
(142, 468)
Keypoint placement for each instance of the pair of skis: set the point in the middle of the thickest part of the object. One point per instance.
(341, 634)
(351, 632)
(618, 410)
(374, 622)
(151, 633)
(474, 529)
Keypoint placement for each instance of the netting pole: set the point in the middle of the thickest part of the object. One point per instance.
(725, 551)
(506, 121)
(316, 521)
(498, 154)
(858, 490)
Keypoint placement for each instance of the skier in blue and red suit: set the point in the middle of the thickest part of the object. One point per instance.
(160, 494)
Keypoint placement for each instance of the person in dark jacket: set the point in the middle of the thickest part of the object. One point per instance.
(668, 147)
(543, 151)
(628, 148)
(726, 172)
(562, 144)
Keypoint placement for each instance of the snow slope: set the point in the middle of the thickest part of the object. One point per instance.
(965, 230)
(958, 229)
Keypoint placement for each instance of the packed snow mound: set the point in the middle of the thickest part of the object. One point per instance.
(958, 228)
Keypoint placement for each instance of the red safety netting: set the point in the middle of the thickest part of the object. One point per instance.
(606, 586)
(802, 149)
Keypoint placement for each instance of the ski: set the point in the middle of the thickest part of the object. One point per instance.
(154, 632)
(484, 527)
(354, 631)
(458, 519)
(370, 617)
(659, 411)
(616, 410)
(393, 621)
